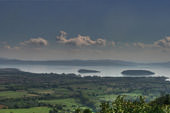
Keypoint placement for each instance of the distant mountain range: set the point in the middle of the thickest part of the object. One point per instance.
(80, 62)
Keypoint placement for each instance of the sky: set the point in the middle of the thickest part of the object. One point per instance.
(131, 30)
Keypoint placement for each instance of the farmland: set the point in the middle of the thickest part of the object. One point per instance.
(26, 110)
(38, 93)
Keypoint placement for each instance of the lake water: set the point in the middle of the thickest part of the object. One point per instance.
(112, 71)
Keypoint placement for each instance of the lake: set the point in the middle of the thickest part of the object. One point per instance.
(112, 71)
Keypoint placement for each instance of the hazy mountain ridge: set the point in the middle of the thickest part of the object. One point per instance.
(104, 62)
(69, 62)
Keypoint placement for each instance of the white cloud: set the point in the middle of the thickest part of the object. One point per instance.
(79, 40)
(35, 42)
(113, 43)
(164, 43)
(139, 44)
(101, 42)
(11, 48)
(7, 46)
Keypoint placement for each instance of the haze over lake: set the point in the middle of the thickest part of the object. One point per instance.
(112, 71)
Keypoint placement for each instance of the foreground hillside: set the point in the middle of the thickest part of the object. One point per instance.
(122, 105)
(67, 92)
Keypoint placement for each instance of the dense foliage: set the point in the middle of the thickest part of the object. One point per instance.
(122, 105)
(164, 100)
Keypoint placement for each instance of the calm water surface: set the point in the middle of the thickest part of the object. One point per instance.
(113, 71)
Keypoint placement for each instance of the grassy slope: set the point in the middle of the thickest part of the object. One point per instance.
(14, 94)
(29, 110)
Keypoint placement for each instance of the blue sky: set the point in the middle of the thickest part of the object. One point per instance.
(143, 24)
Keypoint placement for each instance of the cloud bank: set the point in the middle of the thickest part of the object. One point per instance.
(79, 40)
(35, 42)
(86, 47)
(164, 43)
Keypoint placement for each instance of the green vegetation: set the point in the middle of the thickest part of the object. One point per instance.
(14, 94)
(28, 110)
(122, 105)
(67, 92)
(64, 103)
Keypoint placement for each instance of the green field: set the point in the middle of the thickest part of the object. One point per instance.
(42, 91)
(29, 110)
(68, 103)
(110, 97)
(15, 94)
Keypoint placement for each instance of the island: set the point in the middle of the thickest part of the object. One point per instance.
(137, 72)
(87, 71)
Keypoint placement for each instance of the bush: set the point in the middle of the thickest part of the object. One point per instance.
(122, 105)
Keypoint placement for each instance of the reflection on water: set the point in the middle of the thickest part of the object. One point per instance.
(113, 71)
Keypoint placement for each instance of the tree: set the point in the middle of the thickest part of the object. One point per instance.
(87, 111)
(122, 105)
(78, 110)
